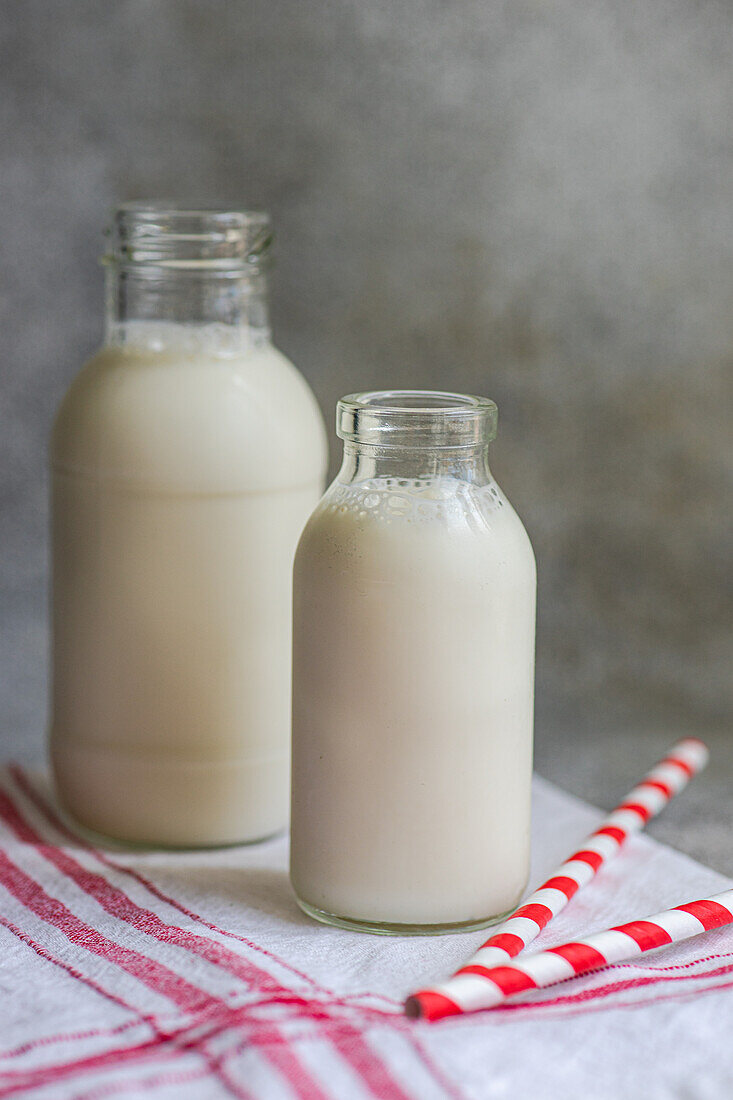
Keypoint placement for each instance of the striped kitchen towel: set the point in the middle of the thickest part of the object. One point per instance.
(195, 976)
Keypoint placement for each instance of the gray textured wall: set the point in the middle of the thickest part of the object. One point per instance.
(526, 199)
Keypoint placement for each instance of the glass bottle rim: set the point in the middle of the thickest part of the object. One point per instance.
(144, 235)
(416, 418)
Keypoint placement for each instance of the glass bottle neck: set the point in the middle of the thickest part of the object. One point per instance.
(152, 299)
(366, 462)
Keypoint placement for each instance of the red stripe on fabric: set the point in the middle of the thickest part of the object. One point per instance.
(672, 995)
(658, 785)
(67, 1069)
(568, 886)
(101, 857)
(188, 1037)
(637, 808)
(711, 914)
(347, 1040)
(450, 1090)
(286, 1062)
(118, 904)
(153, 1048)
(151, 973)
(13, 1082)
(612, 987)
(140, 1018)
(613, 831)
(371, 1068)
(64, 1036)
(593, 859)
(509, 979)
(236, 1087)
(59, 826)
(375, 1074)
(56, 823)
(604, 991)
(680, 763)
(168, 1077)
(193, 1035)
(646, 934)
(537, 912)
(580, 956)
(507, 941)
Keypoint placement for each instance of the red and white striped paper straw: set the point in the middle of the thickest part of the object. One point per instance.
(666, 779)
(486, 987)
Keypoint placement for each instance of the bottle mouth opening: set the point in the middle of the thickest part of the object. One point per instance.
(416, 418)
(164, 235)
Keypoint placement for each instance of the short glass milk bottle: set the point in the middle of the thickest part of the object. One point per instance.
(414, 623)
(186, 457)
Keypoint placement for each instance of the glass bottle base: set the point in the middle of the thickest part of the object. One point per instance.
(106, 841)
(386, 928)
(148, 801)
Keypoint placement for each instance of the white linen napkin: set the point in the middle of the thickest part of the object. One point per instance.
(195, 975)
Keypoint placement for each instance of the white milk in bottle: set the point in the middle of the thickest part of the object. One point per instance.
(414, 617)
(186, 457)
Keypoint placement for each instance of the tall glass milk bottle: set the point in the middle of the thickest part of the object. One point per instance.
(186, 458)
(414, 619)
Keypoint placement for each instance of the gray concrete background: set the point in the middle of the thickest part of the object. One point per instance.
(525, 199)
